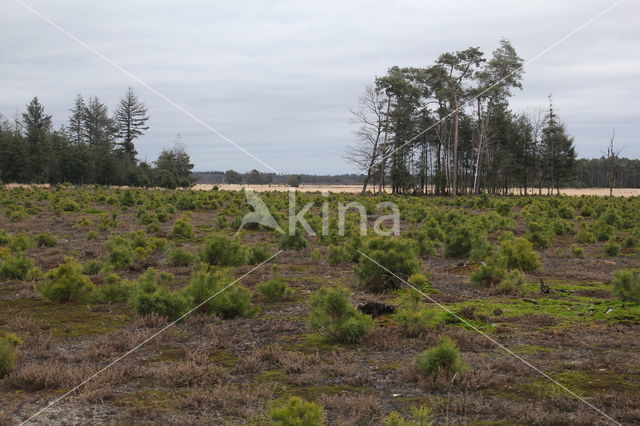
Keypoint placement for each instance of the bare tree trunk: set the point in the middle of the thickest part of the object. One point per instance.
(454, 179)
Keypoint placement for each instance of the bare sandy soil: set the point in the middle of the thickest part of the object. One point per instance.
(353, 189)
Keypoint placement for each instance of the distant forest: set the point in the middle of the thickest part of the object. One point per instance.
(590, 173)
(416, 130)
(93, 147)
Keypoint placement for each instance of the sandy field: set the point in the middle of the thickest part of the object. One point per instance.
(620, 192)
(354, 189)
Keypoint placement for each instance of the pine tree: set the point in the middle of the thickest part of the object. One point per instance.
(130, 119)
(37, 128)
(558, 152)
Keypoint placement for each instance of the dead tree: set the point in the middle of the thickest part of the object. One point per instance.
(611, 158)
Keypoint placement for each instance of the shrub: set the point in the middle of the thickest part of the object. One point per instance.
(331, 312)
(541, 240)
(603, 231)
(275, 289)
(230, 300)
(84, 222)
(121, 255)
(577, 251)
(339, 255)
(66, 283)
(459, 242)
(296, 412)
(566, 212)
(180, 257)
(114, 291)
(15, 267)
(4, 238)
(8, 356)
(259, 254)
(223, 251)
(489, 274)
(150, 295)
(442, 359)
(518, 253)
(421, 282)
(92, 267)
(420, 416)
(397, 255)
(612, 248)
(413, 317)
(296, 241)
(20, 242)
(610, 217)
(626, 285)
(503, 207)
(512, 282)
(585, 237)
(182, 229)
(46, 240)
(92, 235)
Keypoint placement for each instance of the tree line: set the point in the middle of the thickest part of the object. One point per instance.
(93, 147)
(448, 129)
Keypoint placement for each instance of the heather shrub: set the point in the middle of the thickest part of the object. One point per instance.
(15, 267)
(397, 255)
(66, 283)
(180, 257)
(229, 301)
(518, 253)
(626, 285)
(222, 251)
(46, 240)
(331, 312)
(92, 235)
(442, 359)
(150, 295)
(275, 289)
(296, 411)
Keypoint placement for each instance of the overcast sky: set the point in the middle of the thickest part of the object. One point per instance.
(279, 77)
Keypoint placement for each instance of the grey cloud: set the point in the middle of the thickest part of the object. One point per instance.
(280, 77)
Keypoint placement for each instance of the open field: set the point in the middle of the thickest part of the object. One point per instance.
(354, 189)
(235, 357)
